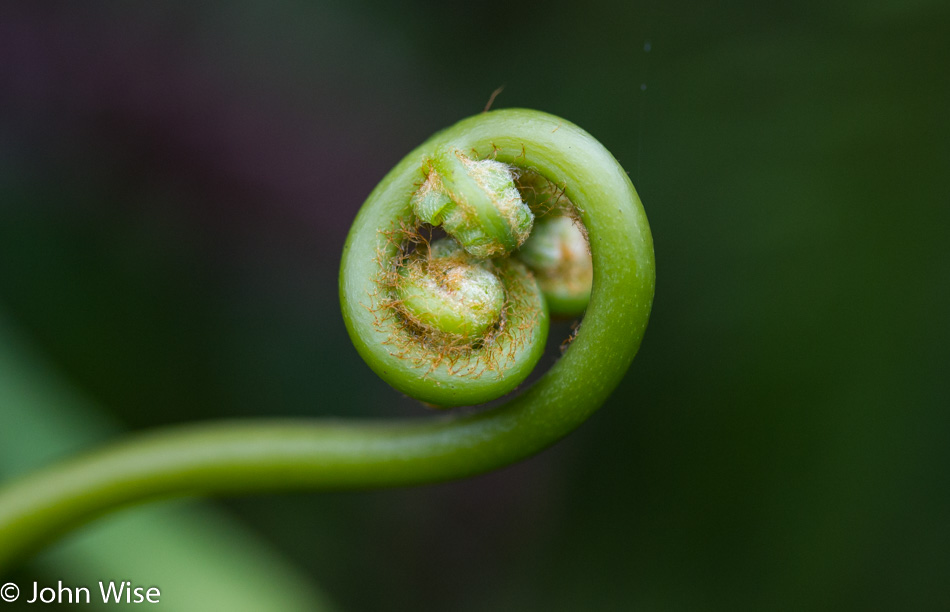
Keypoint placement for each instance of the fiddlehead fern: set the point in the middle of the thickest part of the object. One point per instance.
(268, 455)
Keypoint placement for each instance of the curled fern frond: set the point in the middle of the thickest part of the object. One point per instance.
(446, 356)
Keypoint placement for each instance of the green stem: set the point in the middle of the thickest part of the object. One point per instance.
(270, 455)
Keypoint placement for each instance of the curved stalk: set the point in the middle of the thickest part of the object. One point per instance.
(269, 455)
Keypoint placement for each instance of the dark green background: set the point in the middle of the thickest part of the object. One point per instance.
(176, 183)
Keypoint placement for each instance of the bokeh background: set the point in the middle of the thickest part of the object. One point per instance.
(176, 183)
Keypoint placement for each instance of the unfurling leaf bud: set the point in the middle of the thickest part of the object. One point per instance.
(476, 202)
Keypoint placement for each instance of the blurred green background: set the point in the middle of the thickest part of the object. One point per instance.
(177, 180)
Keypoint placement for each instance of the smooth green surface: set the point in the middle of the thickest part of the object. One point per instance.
(199, 556)
(267, 455)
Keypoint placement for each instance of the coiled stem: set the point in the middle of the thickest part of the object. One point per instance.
(268, 455)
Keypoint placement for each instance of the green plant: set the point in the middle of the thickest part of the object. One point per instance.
(460, 368)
